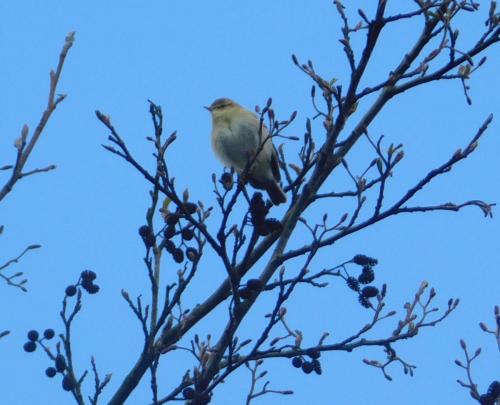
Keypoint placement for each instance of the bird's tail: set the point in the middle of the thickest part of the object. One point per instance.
(275, 193)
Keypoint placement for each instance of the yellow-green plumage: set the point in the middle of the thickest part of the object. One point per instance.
(236, 142)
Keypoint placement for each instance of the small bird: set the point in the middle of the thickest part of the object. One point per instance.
(235, 140)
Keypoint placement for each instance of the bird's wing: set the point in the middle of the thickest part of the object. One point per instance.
(269, 149)
(275, 167)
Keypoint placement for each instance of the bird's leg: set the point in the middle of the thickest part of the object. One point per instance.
(242, 181)
(245, 193)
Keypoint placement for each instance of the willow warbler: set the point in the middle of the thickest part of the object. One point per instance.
(237, 143)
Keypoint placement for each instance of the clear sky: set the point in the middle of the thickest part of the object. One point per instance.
(183, 55)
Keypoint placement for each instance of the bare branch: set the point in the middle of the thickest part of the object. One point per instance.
(10, 280)
(25, 144)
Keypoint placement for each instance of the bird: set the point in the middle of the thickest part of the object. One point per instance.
(237, 143)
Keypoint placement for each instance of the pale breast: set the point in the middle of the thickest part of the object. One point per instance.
(237, 141)
(228, 149)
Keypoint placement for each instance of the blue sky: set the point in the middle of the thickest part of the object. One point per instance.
(183, 55)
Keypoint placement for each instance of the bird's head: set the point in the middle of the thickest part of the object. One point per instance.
(223, 107)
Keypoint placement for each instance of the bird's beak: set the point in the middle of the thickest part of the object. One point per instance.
(208, 108)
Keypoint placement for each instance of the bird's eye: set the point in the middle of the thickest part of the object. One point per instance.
(220, 106)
